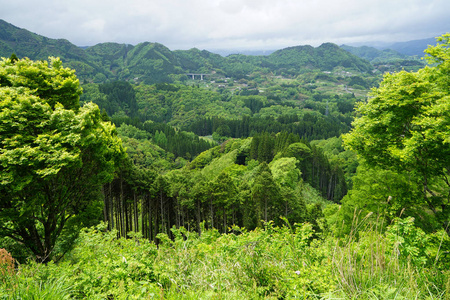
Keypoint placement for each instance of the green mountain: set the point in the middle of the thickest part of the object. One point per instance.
(146, 62)
(152, 62)
(325, 57)
(294, 59)
(374, 55)
(202, 61)
(386, 60)
(27, 44)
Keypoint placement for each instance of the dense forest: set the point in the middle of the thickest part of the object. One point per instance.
(309, 173)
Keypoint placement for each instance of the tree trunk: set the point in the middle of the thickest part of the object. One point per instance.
(111, 208)
(211, 209)
(136, 215)
(198, 218)
(162, 211)
(265, 209)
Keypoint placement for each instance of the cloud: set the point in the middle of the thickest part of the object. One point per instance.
(216, 24)
(231, 7)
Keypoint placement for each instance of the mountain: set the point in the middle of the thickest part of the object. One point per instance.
(325, 57)
(227, 52)
(152, 62)
(386, 60)
(201, 61)
(145, 62)
(374, 55)
(411, 48)
(27, 44)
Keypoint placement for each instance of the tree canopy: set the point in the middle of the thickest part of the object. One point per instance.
(54, 155)
(405, 126)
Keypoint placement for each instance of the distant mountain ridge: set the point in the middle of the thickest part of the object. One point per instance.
(374, 55)
(153, 62)
(409, 48)
(412, 48)
(387, 60)
(27, 44)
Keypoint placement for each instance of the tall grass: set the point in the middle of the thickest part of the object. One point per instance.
(18, 285)
(54, 289)
(374, 261)
(379, 262)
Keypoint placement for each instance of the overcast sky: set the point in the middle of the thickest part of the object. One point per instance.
(230, 24)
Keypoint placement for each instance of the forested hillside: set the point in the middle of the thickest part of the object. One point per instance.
(154, 63)
(138, 172)
(387, 60)
(374, 55)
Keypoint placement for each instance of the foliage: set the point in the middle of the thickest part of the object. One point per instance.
(410, 242)
(387, 194)
(125, 265)
(143, 152)
(151, 63)
(6, 263)
(27, 44)
(404, 127)
(334, 150)
(54, 155)
(53, 289)
(182, 105)
(120, 95)
(306, 56)
(371, 265)
(99, 267)
(221, 186)
(266, 263)
(190, 219)
(385, 60)
(45, 80)
(310, 126)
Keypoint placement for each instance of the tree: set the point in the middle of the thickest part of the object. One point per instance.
(224, 193)
(120, 95)
(285, 172)
(265, 194)
(54, 155)
(386, 193)
(405, 127)
(288, 178)
(53, 83)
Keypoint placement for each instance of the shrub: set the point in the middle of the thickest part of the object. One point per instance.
(6, 263)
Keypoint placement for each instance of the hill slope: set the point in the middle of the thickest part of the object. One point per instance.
(325, 57)
(415, 47)
(27, 44)
(374, 55)
(153, 62)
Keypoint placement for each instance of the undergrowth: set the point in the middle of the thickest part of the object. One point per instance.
(288, 262)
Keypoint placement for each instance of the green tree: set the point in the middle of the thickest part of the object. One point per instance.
(120, 95)
(46, 80)
(265, 194)
(404, 126)
(386, 193)
(224, 194)
(285, 172)
(54, 155)
(288, 178)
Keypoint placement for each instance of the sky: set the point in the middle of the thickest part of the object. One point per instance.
(230, 24)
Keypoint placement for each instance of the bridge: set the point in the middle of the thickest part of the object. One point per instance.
(193, 75)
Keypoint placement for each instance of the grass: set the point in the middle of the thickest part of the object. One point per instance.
(372, 262)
